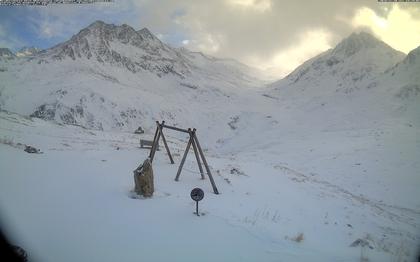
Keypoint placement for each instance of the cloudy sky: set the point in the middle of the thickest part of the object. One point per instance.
(273, 35)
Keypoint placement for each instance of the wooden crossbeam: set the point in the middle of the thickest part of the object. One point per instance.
(174, 128)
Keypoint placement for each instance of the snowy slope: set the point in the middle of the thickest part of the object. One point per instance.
(310, 185)
(403, 83)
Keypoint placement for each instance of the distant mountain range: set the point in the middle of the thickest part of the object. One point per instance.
(114, 77)
(109, 76)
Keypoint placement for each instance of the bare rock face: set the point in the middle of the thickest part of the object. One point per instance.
(143, 179)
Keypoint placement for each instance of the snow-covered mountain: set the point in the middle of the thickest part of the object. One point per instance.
(5, 53)
(75, 82)
(406, 75)
(121, 46)
(348, 66)
(27, 51)
(140, 50)
(402, 84)
(341, 86)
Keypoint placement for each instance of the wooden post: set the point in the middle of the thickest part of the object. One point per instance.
(155, 143)
(164, 142)
(206, 165)
(185, 156)
(154, 139)
(197, 156)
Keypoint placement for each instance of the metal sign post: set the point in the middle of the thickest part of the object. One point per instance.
(197, 194)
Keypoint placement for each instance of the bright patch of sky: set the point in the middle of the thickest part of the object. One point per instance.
(400, 29)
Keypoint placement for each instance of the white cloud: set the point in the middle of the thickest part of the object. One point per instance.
(261, 33)
(252, 5)
(208, 43)
(399, 28)
(309, 44)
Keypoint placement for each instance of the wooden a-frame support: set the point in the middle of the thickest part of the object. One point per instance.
(193, 141)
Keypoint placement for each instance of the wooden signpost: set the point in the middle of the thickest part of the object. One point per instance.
(193, 141)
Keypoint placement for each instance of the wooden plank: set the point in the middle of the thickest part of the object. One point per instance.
(206, 165)
(184, 157)
(197, 156)
(146, 143)
(175, 128)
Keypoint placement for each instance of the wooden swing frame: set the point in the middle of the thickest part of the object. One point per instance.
(192, 141)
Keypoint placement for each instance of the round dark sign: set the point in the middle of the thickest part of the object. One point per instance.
(197, 194)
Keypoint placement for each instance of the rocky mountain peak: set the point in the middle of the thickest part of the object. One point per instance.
(357, 42)
(6, 53)
(96, 24)
(101, 31)
(122, 46)
(145, 33)
(99, 35)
